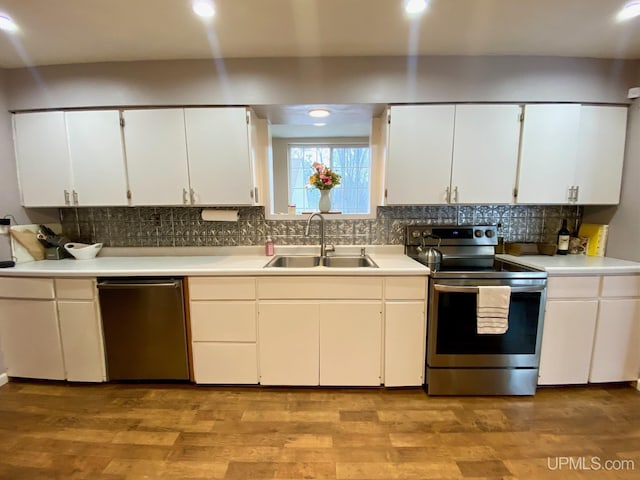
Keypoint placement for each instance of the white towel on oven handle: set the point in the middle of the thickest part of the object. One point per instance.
(492, 315)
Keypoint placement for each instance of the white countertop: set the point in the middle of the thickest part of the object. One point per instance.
(576, 265)
(390, 262)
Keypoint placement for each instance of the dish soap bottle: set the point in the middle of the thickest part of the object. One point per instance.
(564, 235)
(269, 248)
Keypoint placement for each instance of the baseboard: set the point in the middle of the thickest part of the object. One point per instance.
(3, 379)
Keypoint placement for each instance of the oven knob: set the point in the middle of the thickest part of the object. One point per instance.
(478, 233)
(415, 234)
(488, 233)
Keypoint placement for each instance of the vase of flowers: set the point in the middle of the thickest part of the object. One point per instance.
(324, 179)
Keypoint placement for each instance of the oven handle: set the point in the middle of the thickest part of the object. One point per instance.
(456, 289)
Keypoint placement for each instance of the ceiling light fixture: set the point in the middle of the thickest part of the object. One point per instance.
(7, 24)
(319, 113)
(319, 124)
(415, 7)
(630, 10)
(203, 8)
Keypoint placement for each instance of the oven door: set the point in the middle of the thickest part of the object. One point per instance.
(453, 340)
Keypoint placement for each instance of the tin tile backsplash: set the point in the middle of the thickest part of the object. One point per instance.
(183, 226)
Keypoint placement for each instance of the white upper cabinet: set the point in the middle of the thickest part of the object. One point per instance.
(485, 153)
(420, 154)
(97, 158)
(193, 156)
(157, 156)
(441, 154)
(43, 163)
(600, 157)
(572, 154)
(70, 158)
(548, 153)
(219, 152)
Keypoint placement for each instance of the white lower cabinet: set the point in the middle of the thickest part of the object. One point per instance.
(222, 320)
(567, 341)
(404, 343)
(289, 346)
(350, 343)
(365, 331)
(591, 330)
(30, 339)
(616, 350)
(80, 330)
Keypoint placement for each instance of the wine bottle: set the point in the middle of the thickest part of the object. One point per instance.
(564, 235)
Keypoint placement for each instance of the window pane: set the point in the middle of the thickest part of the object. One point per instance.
(351, 162)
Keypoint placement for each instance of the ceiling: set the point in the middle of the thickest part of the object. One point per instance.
(83, 31)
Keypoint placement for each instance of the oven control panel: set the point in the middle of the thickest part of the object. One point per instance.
(432, 235)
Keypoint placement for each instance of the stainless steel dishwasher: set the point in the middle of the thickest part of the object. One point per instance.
(144, 328)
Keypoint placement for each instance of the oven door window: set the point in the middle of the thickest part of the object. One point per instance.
(456, 326)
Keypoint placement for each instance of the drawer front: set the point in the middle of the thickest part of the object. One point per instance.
(223, 321)
(621, 286)
(320, 288)
(222, 288)
(41, 288)
(405, 288)
(75, 288)
(225, 363)
(573, 287)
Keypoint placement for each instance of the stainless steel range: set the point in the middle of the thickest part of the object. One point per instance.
(461, 361)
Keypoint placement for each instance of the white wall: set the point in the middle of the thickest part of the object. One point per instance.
(624, 227)
(322, 80)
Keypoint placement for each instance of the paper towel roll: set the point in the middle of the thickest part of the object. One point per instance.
(212, 215)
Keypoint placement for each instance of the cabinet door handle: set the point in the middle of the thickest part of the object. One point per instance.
(455, 194)
(447, 195)
(75, 198)
(255, 196)
(571, 194)
(577, 192)
(192, 195)
(185, 200)
(66, 197)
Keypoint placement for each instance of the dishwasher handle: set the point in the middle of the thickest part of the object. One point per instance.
(107, 284)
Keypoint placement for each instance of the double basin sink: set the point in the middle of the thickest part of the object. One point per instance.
(309, 261)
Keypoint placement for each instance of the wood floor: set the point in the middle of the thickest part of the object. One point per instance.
(58, 431)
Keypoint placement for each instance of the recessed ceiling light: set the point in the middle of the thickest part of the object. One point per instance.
(7, 24)
(319, 124)
(630, 10)
(415, 7)
(203, 8)
(319, 113)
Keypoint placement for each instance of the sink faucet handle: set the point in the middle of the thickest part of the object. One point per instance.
(329, 248)
(363, 251)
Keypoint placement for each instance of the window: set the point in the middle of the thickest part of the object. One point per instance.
(351, 161)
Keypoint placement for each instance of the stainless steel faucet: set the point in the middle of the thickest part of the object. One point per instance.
(323, 248)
